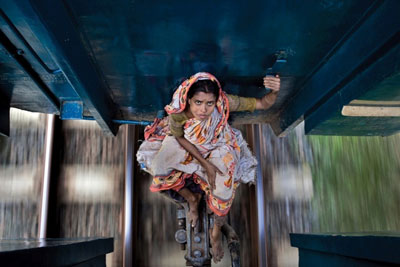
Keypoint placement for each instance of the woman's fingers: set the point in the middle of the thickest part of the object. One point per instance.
(215, 168)
(218, 170)
(271, 78)
(212, 173)
(273, 87)
(270, 85)
(213, 186)
(212, 183)
(274, 83)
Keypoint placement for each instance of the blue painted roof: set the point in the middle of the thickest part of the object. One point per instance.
(123, 59)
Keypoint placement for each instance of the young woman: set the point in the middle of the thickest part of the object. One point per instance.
(194, 149)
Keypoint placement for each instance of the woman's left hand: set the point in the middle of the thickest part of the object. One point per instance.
(273, 83)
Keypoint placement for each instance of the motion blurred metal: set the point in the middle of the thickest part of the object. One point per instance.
(128, 196)
(46, 176)
(262, 249)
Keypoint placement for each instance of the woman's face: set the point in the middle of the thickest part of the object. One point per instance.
(201, 105)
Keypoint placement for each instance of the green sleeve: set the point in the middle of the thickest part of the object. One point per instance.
(238, 103)
(176, 123)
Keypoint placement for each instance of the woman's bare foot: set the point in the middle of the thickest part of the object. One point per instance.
(193, 214)
(193, 199)
(217, 251)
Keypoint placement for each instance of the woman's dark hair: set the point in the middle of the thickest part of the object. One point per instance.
(205, 86)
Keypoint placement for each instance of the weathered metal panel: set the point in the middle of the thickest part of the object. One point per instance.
(123, 59)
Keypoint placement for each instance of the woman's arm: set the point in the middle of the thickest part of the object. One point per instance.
(210, 168)
(274, 83)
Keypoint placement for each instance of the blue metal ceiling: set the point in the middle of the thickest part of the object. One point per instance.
(121, 60)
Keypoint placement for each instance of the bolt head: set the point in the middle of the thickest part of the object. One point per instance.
(180, 236)
(197, 253)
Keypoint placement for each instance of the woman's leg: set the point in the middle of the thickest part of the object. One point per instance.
(216, 238)
(193, 200)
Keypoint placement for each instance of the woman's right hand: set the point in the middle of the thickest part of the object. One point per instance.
(211, 171)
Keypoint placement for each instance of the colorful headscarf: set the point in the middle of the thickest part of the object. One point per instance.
(179, 99)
